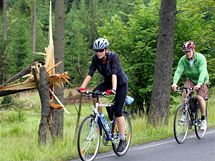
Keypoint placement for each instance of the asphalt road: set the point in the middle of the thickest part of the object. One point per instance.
(192, 149)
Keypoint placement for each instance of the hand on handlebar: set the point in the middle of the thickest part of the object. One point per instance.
(82, 90)
(174, 87)
(110, 91)
(196, 87)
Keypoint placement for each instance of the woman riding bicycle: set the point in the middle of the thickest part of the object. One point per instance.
(115, 81)
(194, 67)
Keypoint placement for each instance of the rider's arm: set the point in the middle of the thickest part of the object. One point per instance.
(203, 71)
(92, 69)
(114, 82)
(86, 81)
(179, 71)
(115, 67)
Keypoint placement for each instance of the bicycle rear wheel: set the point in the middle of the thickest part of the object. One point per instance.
(88, 139)
(180, 126)
(199, 133)
(116, 135)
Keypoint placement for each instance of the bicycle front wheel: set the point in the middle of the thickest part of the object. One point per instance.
(181, 124)
(88, 139)
(199, 132)
(116, 135)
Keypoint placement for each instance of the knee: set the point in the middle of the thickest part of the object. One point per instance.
(200, 99)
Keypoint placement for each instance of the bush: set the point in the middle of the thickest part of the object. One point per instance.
(7, 100)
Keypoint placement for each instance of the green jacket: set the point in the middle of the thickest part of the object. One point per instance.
(198, 73)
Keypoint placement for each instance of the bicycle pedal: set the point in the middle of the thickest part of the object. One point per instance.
(105, 141)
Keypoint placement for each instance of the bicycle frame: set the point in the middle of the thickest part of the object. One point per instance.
(96, 115)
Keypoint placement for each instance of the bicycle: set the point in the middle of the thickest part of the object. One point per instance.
(188, 115)
(91, 130)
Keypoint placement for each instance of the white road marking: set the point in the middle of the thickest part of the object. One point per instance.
(150, 146)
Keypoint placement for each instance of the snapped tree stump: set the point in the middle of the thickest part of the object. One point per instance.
(43, 89)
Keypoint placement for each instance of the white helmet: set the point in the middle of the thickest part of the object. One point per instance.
(188, 46)
(100, 43)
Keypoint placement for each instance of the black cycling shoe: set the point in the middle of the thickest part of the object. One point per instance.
(122, 145)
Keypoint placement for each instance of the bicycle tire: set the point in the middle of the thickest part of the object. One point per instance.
(116, 135)
(88, 139)
(199, 133)
(180, 128)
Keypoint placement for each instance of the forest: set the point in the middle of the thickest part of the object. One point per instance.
(134, 30)
(130, 26)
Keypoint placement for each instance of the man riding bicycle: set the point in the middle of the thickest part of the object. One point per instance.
(194, 66)
(115, 80)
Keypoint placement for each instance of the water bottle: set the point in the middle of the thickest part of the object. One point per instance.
(104, 121)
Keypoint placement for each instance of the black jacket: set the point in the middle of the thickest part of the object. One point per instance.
(113, 66)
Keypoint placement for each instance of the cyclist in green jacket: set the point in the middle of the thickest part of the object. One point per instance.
(194, 66)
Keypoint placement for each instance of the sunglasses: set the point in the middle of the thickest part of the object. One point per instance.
(187, 52)
(99, 50)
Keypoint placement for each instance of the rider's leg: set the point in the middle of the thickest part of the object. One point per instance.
(202, 105)
(121, 93)
(121, 126)
(117, 108)
(202, 94)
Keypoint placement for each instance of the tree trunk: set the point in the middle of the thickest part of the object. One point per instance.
(34, 20)
(4, 49)
(159, 107)
(45, 121)
(59, 56)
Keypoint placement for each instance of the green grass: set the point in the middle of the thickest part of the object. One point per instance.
(19, 133)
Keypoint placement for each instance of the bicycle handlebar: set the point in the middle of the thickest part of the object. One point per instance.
(93, 94)
(187, 90)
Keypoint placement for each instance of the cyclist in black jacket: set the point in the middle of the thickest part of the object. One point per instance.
(115, 81)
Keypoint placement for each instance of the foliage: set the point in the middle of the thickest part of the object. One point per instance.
(197, 25)
(131, 27)
(7, 100)
(81, 23)
(135, 39)
(76, 48)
